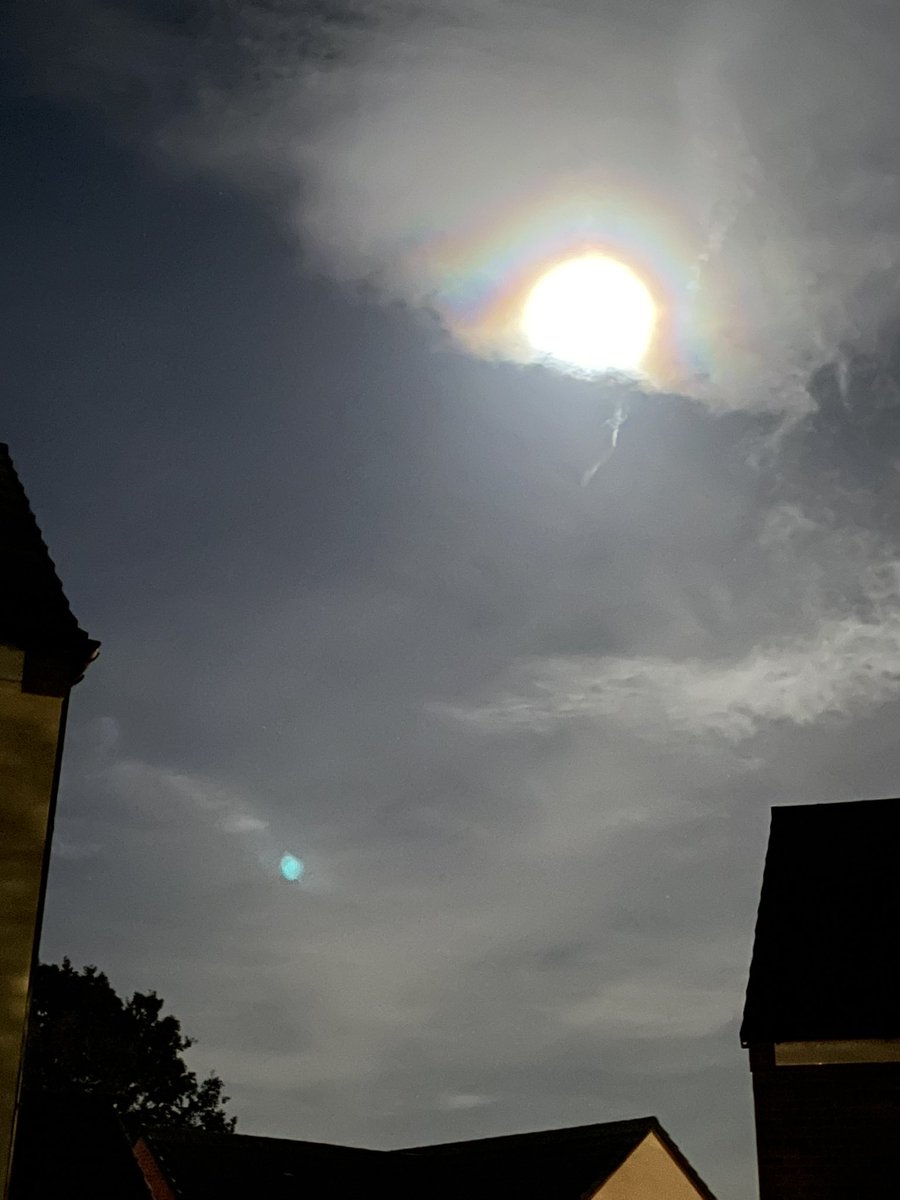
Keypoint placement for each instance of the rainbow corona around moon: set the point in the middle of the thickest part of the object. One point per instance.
(487, 268)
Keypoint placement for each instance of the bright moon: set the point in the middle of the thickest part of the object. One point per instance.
(591, 313)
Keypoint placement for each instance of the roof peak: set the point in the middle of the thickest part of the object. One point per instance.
(561, 1133)
(34, 613)
(824, 806)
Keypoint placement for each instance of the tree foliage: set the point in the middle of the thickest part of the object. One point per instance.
(83, 1037)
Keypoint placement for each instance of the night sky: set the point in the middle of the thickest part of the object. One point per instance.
(356, 604)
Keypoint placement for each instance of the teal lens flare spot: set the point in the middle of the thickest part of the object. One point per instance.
(291, 868)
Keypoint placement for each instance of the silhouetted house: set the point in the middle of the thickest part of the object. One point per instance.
(221, 1166)
(73, 1146)
(622, 1160)
(822, 1016)
(43, 653)
(618, 1160)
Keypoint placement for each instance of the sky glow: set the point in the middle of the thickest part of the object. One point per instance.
(319, 488)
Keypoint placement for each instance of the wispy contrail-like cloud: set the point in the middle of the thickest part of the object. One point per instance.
(846, 663)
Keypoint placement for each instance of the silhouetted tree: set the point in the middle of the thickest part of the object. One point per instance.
(82, 1037)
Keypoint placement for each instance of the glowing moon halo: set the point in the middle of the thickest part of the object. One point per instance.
(592, 313)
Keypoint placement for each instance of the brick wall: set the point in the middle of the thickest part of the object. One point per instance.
(152, 1172)
(828, 1132)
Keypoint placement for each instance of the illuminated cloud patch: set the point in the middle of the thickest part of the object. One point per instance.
(847, 665)
(443, 155)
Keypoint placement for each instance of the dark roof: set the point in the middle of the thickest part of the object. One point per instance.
(823, 955)
(554, 1164)
(72, 1146)
(219, 1166)
(34, 613)
(560, 1164)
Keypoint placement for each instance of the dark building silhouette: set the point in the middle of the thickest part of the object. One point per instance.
(43, 653)
(822, 1015)
(73, 1145)
(620, 1160)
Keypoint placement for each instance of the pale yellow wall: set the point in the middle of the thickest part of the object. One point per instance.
(29, 733)
(648, 1173)
(872, 1050)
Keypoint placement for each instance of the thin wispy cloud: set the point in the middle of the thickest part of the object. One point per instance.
(843, 666)
(174, 795)
(462, 1101)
